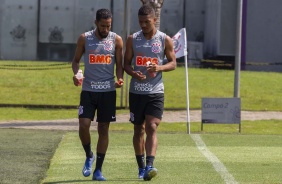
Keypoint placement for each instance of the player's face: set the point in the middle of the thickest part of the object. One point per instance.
(147, 23)
(103, 27)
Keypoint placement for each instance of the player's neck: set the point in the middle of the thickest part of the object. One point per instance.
(98, 35)
(151, 34)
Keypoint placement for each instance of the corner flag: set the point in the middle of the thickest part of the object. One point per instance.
(180, 49)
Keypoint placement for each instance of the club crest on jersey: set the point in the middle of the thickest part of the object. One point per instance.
(108, 45)
(156, 47)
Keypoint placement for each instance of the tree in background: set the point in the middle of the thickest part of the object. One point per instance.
(157, 5)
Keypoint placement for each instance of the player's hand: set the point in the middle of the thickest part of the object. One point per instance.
(152, 67)
(139, 75)
(76, 81)
(119, 83)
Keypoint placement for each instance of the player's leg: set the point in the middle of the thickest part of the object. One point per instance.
(86, 114)
(102, 146)
(137, 104)
(151, 145)
(154, 112)
(84, 126)
(139, 148)
(106, 113)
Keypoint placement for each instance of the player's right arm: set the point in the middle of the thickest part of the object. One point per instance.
(128, 56)
(79, 51)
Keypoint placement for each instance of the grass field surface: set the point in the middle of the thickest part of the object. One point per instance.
(54, 86)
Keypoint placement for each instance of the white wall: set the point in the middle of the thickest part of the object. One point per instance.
(18, 32)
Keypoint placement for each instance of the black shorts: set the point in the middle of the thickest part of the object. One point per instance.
(103, 102)
(141, 105)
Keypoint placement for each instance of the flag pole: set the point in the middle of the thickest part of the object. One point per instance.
(238, 50)
(187, 90)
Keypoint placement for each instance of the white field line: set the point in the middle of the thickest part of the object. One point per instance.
(219, 167)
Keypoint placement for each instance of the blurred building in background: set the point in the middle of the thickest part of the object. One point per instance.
(48, 30)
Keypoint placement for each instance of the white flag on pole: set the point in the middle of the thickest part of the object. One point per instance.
(180, 49)
(180, 43)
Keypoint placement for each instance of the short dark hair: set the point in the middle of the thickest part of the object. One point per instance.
(103, 14)
(146, 10)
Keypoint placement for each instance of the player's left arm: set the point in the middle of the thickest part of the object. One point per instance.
(170, 55)
(119, 57)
